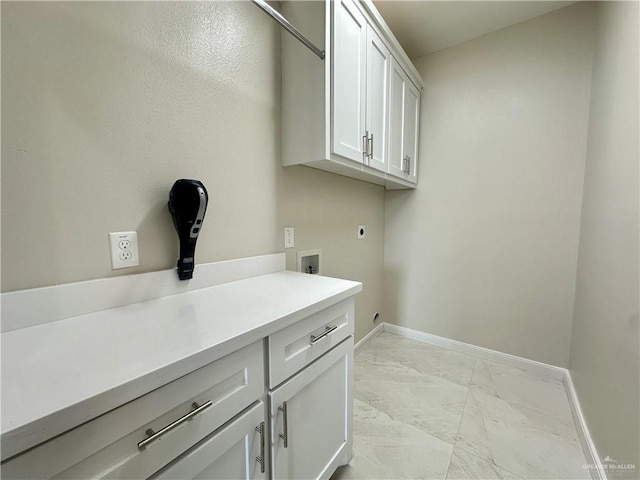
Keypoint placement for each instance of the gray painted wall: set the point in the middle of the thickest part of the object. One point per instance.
(485, 250)
(605, 354)
(106, 104)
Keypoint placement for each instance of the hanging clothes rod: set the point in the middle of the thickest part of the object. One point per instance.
(288, 27)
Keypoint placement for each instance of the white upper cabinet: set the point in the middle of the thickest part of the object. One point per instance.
(360, 84)
(397, 87)
(377, 105)
(411, 130)
(349, 81)
(344, 114)
(404, 115)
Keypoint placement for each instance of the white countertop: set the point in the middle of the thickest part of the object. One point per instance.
(60, 374)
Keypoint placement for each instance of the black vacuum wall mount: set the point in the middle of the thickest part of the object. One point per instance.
(187, 203)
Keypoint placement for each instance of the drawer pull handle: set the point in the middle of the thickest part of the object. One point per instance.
(260, 459)
(285, 435)
(327, 331)
(155, 435)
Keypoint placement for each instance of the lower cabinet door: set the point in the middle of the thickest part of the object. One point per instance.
(237, 451)
(311, 426)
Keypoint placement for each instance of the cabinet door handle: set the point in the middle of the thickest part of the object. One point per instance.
(153, 436)
(365, 145)
(406, 164)
(260, 459)
(285, 429)
(371, 150)
(328, 329)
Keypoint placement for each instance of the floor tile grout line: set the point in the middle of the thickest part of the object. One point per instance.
(522, 404)
(464, 409)
(511, 404)
(490, 460)
(443, 378)
(518, 405)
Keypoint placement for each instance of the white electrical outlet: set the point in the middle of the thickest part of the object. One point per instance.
(124, 249)
(362, 231)
(289, 237)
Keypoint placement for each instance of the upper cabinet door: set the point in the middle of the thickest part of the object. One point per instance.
(404, 118)
(377, 106)
(348, 80)
(411, 130)
(397, 84)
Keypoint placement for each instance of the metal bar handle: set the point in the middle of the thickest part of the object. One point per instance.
(153, 436)
(327, 331)
(260, 459)
(365, 146)
(371, 150)
(285, 434)
(288, 27)
(408, 165)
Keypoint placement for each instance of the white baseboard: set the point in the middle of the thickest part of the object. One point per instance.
(369, 336)
(481, 352)
(588, 447)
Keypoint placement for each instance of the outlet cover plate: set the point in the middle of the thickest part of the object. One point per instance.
(124, 249)
(289, 237)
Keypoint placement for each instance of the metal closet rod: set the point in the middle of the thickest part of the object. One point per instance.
(288, 27)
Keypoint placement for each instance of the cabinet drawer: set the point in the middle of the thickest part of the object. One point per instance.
(300, 344)
(108, 446)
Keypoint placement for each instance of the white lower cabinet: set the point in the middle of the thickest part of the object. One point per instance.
(311, 429)
(238, 451)
(213, 423)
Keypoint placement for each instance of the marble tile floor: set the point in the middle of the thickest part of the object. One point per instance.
(422, 411)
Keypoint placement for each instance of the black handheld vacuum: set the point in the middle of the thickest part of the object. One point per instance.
(187, 204)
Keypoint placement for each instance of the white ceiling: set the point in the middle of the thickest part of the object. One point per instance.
(424, 27)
